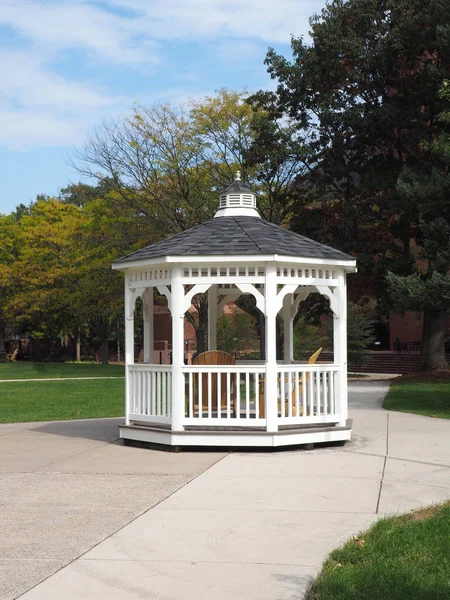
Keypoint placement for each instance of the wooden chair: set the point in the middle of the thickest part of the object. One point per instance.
(262, 405)
(311, 360)
(213, 357)
(12, 357)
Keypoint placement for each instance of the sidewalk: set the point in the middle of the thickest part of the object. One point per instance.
(257, 526)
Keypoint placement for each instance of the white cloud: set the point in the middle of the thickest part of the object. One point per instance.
(266, 20)
(68, 24)
(38, 106)
(21, 129)
(27, 82)
(237, 51)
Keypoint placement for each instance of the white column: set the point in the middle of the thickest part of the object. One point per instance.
(177, 297)
(129, 347)
(288, 324)
(212, 318)
(271, 349)
(340, 349)
(147, 300)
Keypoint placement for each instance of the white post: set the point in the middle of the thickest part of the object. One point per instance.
(288, 323)
(212, 318)
(129, 347)
(147, 300)
(177, 298)
(271, 349)
(340, 349)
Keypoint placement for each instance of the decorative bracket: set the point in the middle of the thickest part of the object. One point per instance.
(302, 295)
(226, 299)
(288, 288)
(134, 295)
(334, 303)
(249, 288)
(199, 288)
(164, 291)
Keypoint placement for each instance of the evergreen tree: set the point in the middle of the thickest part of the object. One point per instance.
(364, 99)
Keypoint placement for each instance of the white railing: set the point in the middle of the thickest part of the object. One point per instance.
(235, 395)
(224, 395)
(307, 394)
(150, 393)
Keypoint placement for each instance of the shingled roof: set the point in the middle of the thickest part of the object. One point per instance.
(237, 235)
(238, 187)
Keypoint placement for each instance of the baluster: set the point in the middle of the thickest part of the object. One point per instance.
(332, 409)
(311, 393)
(282, 398)
(324, 392)
(169, 394)
(200, 395)
(130, 407)
(290, 393)
(138, 393)
(297, 395)
(191, 395)
(238, 395)
(163, 407)
(247, 395)
(228, 395)
(219, 395)
(256, 394)
(318, 392)
(209, 396)
(158, 393)
(144, 393)
(304, 404)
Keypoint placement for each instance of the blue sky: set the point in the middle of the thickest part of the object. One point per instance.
(68, 65)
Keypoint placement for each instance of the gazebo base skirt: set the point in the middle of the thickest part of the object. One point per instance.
(238, 437)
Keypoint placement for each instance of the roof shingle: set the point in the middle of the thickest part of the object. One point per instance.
(238, 235)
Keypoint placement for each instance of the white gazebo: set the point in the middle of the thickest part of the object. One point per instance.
(249, 403)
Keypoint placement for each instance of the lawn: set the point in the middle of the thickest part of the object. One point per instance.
(30, 370)
(22, 400)
(399, 558)
(422, 394)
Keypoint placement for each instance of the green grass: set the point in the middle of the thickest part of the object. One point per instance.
(22, 401)
(399, 558)
(420, 394)
(30, 370)
(58, 400)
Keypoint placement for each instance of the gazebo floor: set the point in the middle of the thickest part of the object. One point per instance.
(287, 435)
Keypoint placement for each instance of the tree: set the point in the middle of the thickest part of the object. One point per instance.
(236, 333)
(46, 268)
(55, 266)
(166, 164)
(364, 97)
(9, 248)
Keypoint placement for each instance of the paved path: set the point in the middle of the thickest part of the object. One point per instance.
(252, 525)
(66, 486)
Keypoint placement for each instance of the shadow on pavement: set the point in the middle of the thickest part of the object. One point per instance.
(103, 430)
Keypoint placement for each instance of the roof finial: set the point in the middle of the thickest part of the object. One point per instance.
(237, 177)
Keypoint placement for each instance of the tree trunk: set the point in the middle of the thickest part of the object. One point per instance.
(118, 342)
(2, 337)
(262, 335)
(279, 338)
(432, 356)
(78, 346)
(200, 337)
(105, 350)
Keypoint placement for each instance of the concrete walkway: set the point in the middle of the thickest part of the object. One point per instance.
(252, 525)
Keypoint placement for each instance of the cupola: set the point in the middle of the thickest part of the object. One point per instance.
(237, 199)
